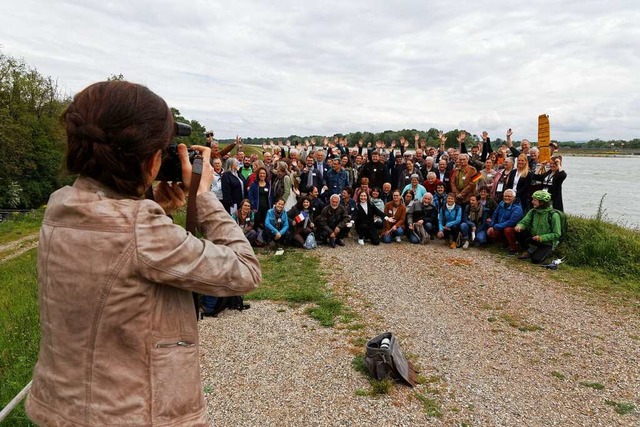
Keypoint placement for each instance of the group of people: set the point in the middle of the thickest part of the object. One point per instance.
(466, 197)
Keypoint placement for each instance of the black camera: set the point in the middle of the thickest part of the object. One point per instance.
(171, 169)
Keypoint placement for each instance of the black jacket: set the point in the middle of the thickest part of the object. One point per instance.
(233, 190)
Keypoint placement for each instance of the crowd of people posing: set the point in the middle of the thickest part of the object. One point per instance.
(466, 197)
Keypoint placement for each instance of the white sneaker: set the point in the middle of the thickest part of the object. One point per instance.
(465, 245)
(398, 239)
(280, 251)
(361, 242)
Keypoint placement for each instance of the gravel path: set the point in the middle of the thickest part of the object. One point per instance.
(516, 350)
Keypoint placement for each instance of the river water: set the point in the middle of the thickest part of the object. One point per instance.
(588, 178)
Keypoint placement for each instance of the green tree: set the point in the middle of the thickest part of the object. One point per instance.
(32, 140)
(197, 136)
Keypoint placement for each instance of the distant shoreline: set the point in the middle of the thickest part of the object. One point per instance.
(582, 154)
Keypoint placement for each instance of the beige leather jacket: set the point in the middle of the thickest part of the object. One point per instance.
(119, 340)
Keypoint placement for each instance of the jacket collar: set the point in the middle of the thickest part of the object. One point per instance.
(85, 183)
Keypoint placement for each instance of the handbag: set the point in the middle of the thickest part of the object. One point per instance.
(384, 359)
(310, 242)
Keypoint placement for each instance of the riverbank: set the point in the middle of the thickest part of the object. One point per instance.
(473, 299)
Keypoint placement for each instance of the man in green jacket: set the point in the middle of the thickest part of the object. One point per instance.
(539, 231)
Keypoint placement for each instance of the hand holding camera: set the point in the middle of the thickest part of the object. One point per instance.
(172, 195)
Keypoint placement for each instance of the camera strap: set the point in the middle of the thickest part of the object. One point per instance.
(192, 212)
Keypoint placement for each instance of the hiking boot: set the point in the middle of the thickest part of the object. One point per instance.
(339, 242)
(332, 243)
(453, 245)
(465, 245)
(525, 255)
(425, 239)
(279, 251)
(361, 242)
(398, 239)
(512, 252)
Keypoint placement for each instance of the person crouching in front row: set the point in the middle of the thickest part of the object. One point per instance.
(276, 225)
(540, 230)
(333, 223)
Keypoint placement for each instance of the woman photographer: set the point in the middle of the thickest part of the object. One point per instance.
(119, 339)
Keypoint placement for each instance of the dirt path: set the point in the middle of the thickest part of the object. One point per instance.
(498, 343)
(18, 247)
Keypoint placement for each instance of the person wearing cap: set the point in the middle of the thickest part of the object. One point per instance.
(540, 230)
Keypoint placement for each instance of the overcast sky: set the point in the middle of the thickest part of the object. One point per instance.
(276, 68)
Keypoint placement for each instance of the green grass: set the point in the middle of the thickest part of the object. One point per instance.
(20, 337)
(604, 248)
(296, 278)
(431, 406)
(558, 375)
(516, 322)
(358, 365)
(621, 408)
(380, 387)
(18, 226)
(593, 385)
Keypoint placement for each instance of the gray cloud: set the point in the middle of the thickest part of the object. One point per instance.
(282, 67)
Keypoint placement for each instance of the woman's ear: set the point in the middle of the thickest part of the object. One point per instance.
(152, 166)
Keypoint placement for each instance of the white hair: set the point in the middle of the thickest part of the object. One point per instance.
(510, 191)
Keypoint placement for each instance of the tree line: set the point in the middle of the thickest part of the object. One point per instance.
(32, 136)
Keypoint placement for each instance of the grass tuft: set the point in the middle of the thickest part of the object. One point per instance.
(359, 366)
(380, 387)
(558, 375)
(593, 385)
(516, 321)
(621, 408)
(431, 406)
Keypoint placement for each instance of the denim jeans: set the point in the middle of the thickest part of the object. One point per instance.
(387, 238)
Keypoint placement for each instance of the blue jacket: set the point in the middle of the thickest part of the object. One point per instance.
(506, 216)
(449, 218)
(271, 222)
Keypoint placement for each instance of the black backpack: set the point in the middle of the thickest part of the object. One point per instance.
(229, 303)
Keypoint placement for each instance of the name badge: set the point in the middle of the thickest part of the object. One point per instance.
(313, 174)
(266, 190)
(500, 187)
(278, 220)
(375, 170)
(406, 177)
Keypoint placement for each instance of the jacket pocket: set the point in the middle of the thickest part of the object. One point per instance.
(175, 379)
